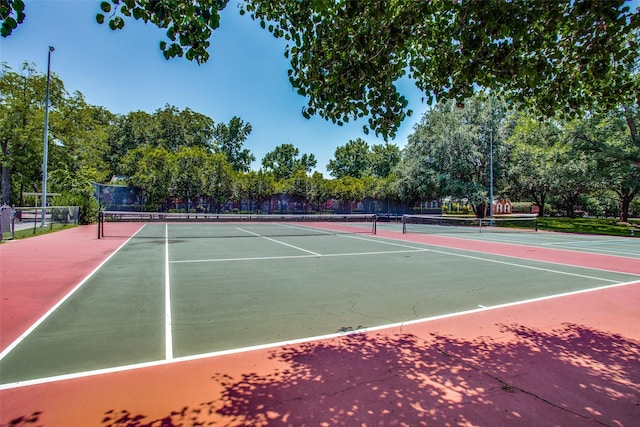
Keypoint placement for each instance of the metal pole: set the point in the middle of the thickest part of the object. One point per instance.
(46, 142)
(491, 177)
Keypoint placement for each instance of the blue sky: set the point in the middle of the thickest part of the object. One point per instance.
(124, 71)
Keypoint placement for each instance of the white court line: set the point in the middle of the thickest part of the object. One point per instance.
(168, 335)
(315, 230)
(597, 242)
(585, 246)
(505, 256)
(563, 245)
(259, 258)
(279, 242)
(268, 346)
(267, 258)
(530, 267)
(44, 317)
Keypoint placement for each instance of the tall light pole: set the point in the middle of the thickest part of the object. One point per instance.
(46, 142)
(491, 177)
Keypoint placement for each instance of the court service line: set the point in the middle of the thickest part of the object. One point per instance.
(514, 264)
(600, 251)
(279, 242)
(596, 242)
(267, 346)
(316, 231)
(589, 247)
(46, 315)
(168, 335)
(565, 246)
(267, 258)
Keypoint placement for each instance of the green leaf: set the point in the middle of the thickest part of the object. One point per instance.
(171, 34)
(116, 23)
(5, 31)
(11, 23)
(100, 18)
(18, 6)
(106, 7)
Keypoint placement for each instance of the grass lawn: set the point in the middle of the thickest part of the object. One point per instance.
(608, 226)
(36, 231)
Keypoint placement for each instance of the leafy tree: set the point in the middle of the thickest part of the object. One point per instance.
(257, 187)
(347, 55)
(576, 177)
(219, 179)
(186, 128)
(284, 161)
(383, 191)
(168, 127)
(414, 179)
(534, 160)
(189, 179)
(451, 146)
(605, 139)
(80, 139)
(189, 24)
(383, 158)
(22, 99)
(319, 191)
(132, 130)
(153, 170)
(352, 159)
(357, 159)
(298, 187)
(348, 190)
(11, 15)
(229, 139)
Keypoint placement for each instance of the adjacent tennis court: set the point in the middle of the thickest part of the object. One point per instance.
(179, 290)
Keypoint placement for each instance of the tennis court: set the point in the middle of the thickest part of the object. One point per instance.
(177, 291)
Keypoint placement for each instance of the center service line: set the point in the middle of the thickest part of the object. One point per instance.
(279, 242)
(168, 340)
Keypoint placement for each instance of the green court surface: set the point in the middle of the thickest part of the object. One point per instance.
(169, 298)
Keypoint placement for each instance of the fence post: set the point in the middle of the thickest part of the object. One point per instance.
(5, 220)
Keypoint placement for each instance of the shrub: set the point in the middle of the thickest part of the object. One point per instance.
(521, 207)
(88, 205)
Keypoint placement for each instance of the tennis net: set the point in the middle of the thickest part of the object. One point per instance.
(182, 225)
(453, 224)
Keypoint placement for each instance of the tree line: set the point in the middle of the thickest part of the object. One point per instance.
(588, 163)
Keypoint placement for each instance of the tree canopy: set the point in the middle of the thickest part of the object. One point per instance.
(347, 56)
(285, 161)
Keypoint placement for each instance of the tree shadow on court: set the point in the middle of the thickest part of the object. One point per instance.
(572, 375)
(24, 421)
